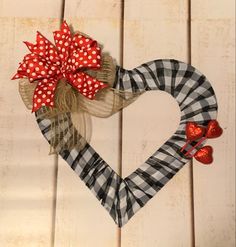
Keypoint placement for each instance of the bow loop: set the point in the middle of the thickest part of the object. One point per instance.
(44, 48)
(90, 59)
(86, 85)
(81, 42)
(62, 40)
(36, 68)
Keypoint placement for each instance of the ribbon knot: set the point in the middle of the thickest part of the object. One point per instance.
(67, 59)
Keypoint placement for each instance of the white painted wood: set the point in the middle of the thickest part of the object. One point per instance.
(81, 220)
(213, 52)
(34, 9)
(155, 29)
(26, 169)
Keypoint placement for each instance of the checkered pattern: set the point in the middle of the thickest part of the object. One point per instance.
(123, 197)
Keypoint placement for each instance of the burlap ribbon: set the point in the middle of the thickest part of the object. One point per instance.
(68, 100)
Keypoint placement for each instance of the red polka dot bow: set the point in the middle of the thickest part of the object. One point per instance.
(68, 58)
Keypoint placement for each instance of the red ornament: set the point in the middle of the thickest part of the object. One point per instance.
(67, 59)
(194, 131)
(204, 155)
(213, 129)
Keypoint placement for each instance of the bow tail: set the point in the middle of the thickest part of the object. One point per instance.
(44, 93)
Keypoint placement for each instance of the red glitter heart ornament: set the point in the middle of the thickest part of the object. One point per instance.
(204, 155)
(194, 131)
(213, 129)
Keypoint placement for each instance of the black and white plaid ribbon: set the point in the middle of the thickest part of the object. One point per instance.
(123, 197)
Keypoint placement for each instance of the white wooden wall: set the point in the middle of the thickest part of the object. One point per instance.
(42, 201)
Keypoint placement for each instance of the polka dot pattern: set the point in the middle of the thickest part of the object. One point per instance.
(85, 59)
(86, 85)
(62, 40)
(68, 58)
(44, 48)
(44, 94)
(82, 43)
(36, 68)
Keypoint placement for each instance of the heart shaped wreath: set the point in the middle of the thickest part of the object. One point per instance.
(66, 83)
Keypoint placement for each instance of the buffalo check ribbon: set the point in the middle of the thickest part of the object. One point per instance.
(67, 59)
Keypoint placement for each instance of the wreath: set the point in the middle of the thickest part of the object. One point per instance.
(67, 83)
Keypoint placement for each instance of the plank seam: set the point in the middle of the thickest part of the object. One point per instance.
(122, 17)
(189, 30)
(56, 164)
(54, 206)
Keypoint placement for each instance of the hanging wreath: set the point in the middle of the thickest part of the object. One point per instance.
(67, 83)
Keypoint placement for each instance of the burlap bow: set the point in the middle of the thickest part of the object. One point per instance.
(68, 78)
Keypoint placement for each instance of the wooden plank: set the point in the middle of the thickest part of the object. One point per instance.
(156, 29)
(34, 9)
(213, 52)
(26, 169)
(79, 214)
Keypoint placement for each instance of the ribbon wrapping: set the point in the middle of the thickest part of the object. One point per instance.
(48, 64)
